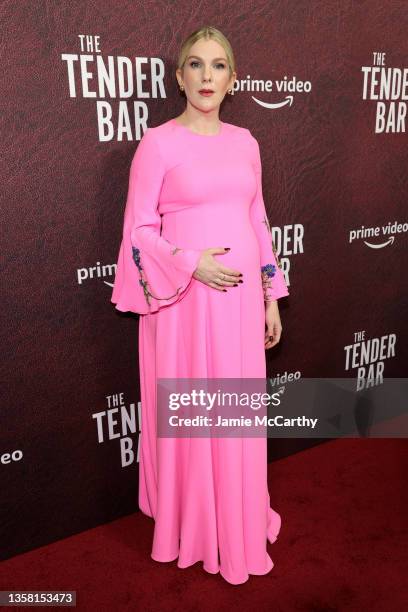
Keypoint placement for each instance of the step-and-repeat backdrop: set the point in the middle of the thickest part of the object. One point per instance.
(322, 85)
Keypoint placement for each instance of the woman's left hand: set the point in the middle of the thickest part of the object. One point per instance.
(273, 324)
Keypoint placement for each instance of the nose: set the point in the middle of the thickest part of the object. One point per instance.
(207, 74)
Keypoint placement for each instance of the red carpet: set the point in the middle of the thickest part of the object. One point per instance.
(343, 545)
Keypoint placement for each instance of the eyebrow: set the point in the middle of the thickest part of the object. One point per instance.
(200, 58)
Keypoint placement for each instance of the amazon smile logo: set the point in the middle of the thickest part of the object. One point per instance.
(373, 237)
(279, 86)
(288, 101)
(379, 246)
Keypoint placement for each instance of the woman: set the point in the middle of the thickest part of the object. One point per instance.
(196, 262)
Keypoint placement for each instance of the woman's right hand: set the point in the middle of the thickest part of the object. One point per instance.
(214, 274)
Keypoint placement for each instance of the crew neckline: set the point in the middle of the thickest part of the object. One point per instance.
(184, 127)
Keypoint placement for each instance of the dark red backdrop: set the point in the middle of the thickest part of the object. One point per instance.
(70, 359)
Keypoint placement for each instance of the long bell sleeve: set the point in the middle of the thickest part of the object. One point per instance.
(273, 280)
(151, 273)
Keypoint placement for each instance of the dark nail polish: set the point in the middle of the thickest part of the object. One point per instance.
(240, 281)
(227, 248)
(235, 285)
(224, 289)
(239, 274)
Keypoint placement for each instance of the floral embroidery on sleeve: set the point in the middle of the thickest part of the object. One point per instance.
(143, 281)
(267, 273)
(175, 250)
(268, 227)
(266, 221)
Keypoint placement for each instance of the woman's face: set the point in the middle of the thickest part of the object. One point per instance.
(206, 67)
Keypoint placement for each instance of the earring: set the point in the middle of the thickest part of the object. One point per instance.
(231, 91)
(181, 87)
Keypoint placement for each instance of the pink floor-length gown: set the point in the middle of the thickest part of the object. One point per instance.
(188, 192)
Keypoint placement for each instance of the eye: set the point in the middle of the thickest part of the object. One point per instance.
(219, 65)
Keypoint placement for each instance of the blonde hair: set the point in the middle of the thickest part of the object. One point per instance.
(207, 33)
